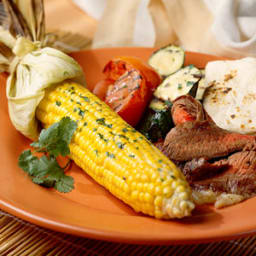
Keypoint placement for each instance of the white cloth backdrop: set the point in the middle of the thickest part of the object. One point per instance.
(222, 27)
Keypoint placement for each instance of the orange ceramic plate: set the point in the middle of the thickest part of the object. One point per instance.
(91, 211)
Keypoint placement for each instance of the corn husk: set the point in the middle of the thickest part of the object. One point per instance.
(32, 64)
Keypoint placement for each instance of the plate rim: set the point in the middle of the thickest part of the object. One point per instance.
(115, 236)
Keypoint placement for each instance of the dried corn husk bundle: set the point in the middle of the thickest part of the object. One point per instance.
(29, 55)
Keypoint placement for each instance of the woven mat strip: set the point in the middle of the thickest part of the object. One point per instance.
(20, 238)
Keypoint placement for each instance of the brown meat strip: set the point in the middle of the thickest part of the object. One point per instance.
(238, 178)
(200, 137)
(199, 169)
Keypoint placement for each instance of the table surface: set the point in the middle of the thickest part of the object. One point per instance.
(21, 238)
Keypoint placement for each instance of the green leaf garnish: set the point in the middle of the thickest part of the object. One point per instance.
(46, 170)
(56, 138)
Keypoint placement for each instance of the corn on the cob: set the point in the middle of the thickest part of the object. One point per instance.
(116, 155)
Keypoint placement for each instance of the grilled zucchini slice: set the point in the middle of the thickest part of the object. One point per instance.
(184, 81)
(167, 60)
(156, 124)
(158, 105)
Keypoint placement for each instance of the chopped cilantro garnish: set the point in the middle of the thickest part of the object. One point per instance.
(110, 155)
(102, 137)
(123, 136)
(120, 145)
(86, 99)
(101, 121)
(190, 83)
(81, 112)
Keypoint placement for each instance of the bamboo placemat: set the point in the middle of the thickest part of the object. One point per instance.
(20, 238)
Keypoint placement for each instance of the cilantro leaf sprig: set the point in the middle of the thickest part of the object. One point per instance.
(56, 138)
(52, 142)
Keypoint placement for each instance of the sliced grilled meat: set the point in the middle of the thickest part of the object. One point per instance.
(199, 137)
(202, 139)
(199, 169)
(238, 178)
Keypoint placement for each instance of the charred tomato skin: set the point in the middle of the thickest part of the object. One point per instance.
(129, 96)
(118, 66)
(132, 89)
